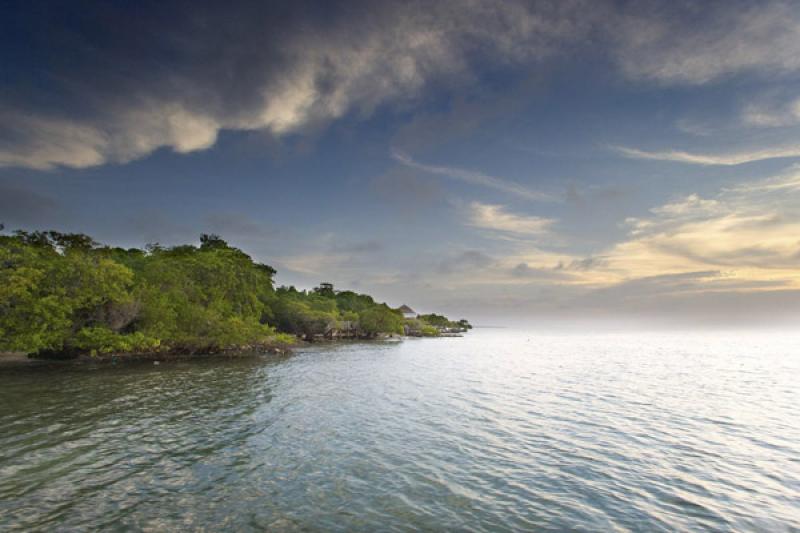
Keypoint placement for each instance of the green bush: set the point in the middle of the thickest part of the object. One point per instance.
(100, 340)
(429, 331)
(380, 319)
(63, 294)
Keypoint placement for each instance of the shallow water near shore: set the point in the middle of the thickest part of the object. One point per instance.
(497, 430)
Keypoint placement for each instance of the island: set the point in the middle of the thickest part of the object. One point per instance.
(66, 296)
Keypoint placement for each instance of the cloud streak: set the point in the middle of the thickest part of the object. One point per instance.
(475, 178)
(749, 232)
(744, 239)
(498, 218)
(727, 159)
(771, 114)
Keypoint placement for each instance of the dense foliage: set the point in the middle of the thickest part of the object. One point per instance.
(64, 294)
(443, 323)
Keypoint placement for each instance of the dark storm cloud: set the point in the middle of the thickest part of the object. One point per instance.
(96, 82)
(114, 82)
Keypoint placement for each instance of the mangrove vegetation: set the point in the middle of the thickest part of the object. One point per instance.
(64, 295)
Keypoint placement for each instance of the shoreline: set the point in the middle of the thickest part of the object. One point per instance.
(23, 360)
(7, 363)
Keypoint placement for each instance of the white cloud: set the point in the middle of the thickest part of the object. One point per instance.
(691, 205)
(51, 141)
(771, 114)
(750, 232)
(496, 217)
(45, 142)
(694, 127)
(745, 238)
(727, 159)
(475, 178)
(786, 183)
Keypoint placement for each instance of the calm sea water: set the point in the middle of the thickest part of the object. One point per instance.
(500, 430)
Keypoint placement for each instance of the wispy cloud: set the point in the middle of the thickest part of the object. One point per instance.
(744, 238)
(751, 231)
(498, 218)
(475, 178)
(772, 114)
(667, 44)
(727, 159)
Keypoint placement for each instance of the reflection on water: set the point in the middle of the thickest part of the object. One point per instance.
(499, 430)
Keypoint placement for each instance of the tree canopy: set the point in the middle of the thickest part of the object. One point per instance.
(65, 294)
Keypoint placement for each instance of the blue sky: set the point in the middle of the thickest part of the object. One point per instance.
(496, 159)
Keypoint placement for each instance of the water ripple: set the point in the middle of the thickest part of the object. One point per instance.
(496, 431)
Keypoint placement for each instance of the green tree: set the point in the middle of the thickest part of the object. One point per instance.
(380, 319)
(47, 295)
(64, 294)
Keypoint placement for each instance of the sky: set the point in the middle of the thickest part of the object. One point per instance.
(502, 160)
